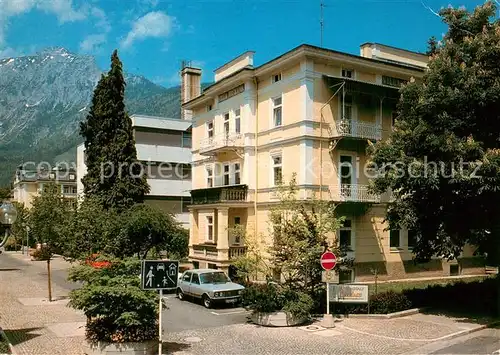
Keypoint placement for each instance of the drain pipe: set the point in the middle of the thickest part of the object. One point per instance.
(256, 133)
(321, 138)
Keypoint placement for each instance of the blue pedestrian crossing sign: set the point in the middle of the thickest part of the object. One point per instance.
(159, 274)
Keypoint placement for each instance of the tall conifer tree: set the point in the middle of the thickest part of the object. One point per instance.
(114, 175)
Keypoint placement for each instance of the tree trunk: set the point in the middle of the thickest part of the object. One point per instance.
(49, 280)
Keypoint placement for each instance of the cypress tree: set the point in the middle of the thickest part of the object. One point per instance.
(114, 175)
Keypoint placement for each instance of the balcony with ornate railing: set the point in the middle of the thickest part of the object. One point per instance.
(210, 252)
(219, 194)
(236, 251)
(221, 142)
(354, 193)
(356, 129)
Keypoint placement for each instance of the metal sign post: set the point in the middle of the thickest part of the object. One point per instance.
(159, 275)
(328, 261)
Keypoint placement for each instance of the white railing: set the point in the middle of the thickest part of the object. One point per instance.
(223, 140)
(353, 193)
(357, 129)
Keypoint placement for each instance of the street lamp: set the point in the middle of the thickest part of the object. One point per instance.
(8, 215)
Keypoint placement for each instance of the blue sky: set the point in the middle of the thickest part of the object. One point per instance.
(153, 36)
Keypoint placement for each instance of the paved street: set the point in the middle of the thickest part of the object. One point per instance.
(37, 328)
(190, 315)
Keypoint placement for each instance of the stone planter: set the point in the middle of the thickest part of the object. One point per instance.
(277, 319)
(104, 348)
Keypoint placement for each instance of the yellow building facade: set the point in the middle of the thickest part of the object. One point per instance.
(310, 112)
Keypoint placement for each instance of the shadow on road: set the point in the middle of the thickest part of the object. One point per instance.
(172, 347)
(9, 269)
(18, 336)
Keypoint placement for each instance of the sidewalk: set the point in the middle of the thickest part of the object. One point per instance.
(32, 324)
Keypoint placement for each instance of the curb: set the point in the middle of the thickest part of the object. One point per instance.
(399, 314)
(11, 347)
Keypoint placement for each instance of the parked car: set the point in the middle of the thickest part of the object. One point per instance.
(209, 285)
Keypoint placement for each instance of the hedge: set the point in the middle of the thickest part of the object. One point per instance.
(478, 298)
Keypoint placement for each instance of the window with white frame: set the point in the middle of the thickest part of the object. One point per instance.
(277, 169)
(210, 129)
(226, 175)
(237, 121)
(237, 173)
(210, 176)
(276, 77)
(345, 235)
(277, 111)
(210, 228)
(226, 123)
(348, 73)
(395, 238)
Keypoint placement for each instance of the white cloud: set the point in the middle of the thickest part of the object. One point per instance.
(92, 43)
(63, 9)
(154, 24)
(102, 19)
(8, 52)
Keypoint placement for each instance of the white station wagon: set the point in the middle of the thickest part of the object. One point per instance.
(209, 285)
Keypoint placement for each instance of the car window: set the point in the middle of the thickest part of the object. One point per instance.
(214, 278)
(196, 279)
(187, 277)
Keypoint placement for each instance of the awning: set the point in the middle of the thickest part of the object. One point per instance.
(362, 87)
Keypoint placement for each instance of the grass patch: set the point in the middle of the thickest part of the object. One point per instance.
(419, 284)
(4, 345)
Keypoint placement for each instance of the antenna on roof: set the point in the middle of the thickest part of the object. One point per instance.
(322, 5)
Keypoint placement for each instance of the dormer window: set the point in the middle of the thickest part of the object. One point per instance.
(276, 78)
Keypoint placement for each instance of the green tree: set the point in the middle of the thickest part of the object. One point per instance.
(89, 229)
(47, 219)
(146, 229)
(5, 193)
(442, 162)
(20, 227)
(301, 231)
(114, 175)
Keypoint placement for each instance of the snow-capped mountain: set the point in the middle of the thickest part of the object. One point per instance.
(43, 97)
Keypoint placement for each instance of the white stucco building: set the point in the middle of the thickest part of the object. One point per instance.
(164, 147)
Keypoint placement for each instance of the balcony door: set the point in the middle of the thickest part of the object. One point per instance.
(346, 176)
(226, 126)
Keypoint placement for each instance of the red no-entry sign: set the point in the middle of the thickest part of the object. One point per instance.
(328, 260)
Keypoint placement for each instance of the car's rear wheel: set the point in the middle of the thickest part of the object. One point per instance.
(180, 294)
(207, 302)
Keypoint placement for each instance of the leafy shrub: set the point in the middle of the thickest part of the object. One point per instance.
(42, 254)
(474, 297)
(272, 297)
(389, 302)
(381, 303)
(299, 304)
(117, 309)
